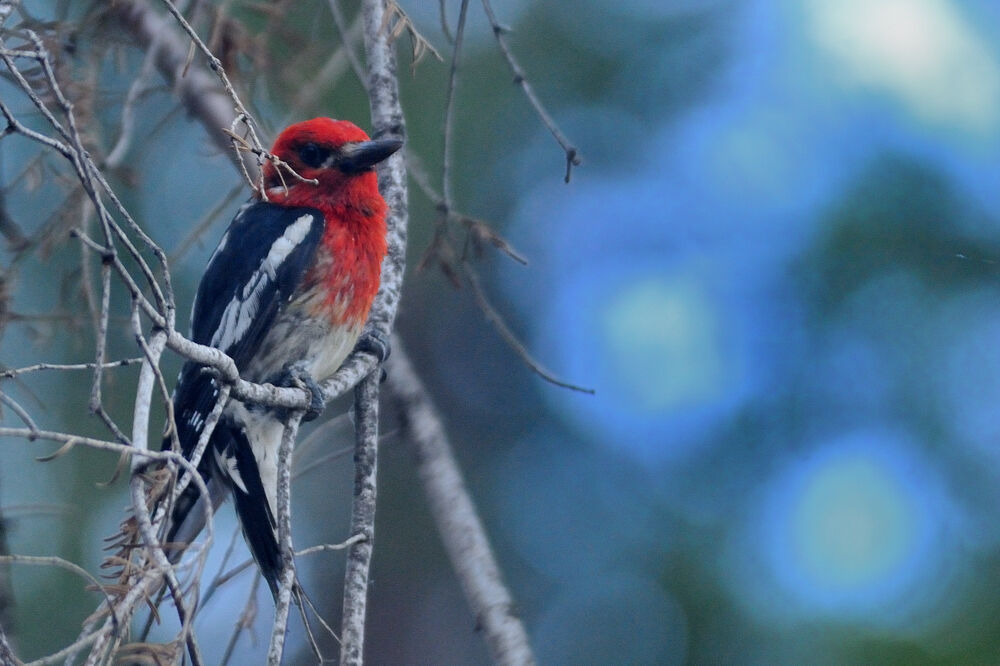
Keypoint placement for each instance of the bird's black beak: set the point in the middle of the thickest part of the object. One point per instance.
(364, 155)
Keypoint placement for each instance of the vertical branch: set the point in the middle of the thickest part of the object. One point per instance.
(102, 330)
(345, 32)
(157, 557)
(6, 654)
(144, 390)
(453, 511)
(286, 581)
(198, 90)
(387, 120)
(449, 111)
(362, 521)
(6, 598)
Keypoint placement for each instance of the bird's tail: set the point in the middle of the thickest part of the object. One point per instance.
(260, 530)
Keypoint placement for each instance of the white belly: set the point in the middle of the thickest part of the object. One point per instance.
(318, 349)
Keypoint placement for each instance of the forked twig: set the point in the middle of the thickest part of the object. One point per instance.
(572, 154)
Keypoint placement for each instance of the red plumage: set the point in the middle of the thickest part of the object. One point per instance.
(354, 240)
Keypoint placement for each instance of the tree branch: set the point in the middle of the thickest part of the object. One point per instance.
(387, 120)
(359, 554)
(455, 515)
(286, 580)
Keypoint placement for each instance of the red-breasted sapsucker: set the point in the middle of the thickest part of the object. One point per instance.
(286, 295)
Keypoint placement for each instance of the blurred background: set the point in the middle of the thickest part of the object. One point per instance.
(778, 266)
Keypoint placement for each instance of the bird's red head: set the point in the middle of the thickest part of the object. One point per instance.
(337, 154)
(341, 158)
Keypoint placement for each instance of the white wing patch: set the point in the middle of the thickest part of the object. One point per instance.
(240, 312)
(196, 420)
(228, 465)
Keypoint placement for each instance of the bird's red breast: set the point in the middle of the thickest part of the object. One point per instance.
(348, 264)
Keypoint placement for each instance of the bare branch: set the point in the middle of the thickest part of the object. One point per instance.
(153, 310)
(21, 412)
(508, 335)
(449, 107)
(155, 552)
(345, 32)
(572, 154)
(387, 120)
(144, 390)
(50, 561)
(455, 515)
(241, 113)
(362, 522)
(286, 579)
(324, 547)
(198, 90)
(245, 620)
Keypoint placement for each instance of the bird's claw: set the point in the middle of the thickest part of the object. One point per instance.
(374, 342)
(294, 377)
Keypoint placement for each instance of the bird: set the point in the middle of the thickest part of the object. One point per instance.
(285, 294)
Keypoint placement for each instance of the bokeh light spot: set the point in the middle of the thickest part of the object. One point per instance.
(920, 51)
(852, 524)
(655, 323)
(858, 529)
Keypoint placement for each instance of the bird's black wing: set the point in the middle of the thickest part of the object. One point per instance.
(251, 276)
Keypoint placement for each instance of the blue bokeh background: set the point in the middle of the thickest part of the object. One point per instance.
(779, 269)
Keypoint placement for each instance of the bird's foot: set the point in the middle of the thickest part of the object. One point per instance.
(292, 376)
(374, 342)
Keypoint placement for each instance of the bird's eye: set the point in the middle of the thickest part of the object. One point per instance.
(312, 155)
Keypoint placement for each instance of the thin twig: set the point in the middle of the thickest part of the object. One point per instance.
(52, 561)
(216, 66)
(449, 107)
(198, 90)
(245, 620)
(67, 652)
(15, 372)
(21, 412)
(572, 154)
(223, 576)
(498, 322)
(203, 438)
(341, 23)
(141, 83)
(324, 547)
(155, 553)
